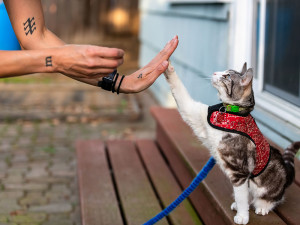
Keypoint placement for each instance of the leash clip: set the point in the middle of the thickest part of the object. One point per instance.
(220, 109)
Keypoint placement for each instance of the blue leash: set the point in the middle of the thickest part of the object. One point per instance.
(197, 180)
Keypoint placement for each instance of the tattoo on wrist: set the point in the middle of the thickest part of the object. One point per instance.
(29, 26)
(140, 76)
(48, 61)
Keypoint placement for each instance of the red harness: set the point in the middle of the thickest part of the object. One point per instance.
(246, 126)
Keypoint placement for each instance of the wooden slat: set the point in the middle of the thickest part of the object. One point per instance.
(204, 204)
(136, 194)
(174, 134)
(99, 204)
(165, 184)
(290, 209)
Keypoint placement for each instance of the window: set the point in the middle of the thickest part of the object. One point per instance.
(280, 62)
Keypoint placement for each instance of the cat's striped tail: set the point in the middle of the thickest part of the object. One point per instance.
(288, 157)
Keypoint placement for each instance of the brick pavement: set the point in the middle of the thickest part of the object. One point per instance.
(39, 125)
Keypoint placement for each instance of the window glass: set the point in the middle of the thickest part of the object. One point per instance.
(282, 49)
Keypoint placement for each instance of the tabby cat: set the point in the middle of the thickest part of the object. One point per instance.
(256, 170)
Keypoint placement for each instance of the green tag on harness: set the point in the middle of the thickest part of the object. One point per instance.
(232, 108)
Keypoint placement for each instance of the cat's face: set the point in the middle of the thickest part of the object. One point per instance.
(234, 87)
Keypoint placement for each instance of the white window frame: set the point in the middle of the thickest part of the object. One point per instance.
(198, 1)
(241, 45)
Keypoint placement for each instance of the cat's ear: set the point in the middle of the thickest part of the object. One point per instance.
(244, 69)
(247, 78)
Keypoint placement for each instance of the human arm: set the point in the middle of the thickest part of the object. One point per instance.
(84, 63)
(75, 61)
(146, 76)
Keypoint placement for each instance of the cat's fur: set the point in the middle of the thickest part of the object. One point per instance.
(234, 153)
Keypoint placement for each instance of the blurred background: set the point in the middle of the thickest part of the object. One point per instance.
(42, 115)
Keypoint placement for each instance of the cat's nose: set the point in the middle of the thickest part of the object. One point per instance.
(215, 73)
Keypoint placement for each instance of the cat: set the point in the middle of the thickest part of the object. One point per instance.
(254, 168)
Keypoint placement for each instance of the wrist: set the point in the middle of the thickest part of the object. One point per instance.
(54, 60)
(123, 88)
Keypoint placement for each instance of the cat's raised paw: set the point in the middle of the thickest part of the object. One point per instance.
(170, 68)
(241, 219)
(233, 206)
(261, 211)
(169, 71)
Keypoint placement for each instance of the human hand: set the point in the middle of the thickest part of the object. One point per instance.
(87, 62)
(145, 77)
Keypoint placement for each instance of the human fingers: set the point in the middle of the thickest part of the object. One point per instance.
(106, 63)
(165, 53)
(158, 71)
(107, 52)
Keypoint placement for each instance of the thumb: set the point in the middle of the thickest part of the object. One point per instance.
(159, 69)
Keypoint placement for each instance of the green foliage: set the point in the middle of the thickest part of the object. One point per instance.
(49, 149)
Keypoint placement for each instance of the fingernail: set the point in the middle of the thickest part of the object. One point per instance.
(165, 63)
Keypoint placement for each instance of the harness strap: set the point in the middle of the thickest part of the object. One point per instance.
(243, 124)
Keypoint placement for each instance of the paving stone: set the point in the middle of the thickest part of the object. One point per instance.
(33, 198)
(63, 173)
(2, 174)
(39, 155)
(9, 205)
(37, 173)
(58, 216)
(56, 197)
(42, 164)
(14, 178)
(20, 158)
(11, 195)
(26, 186)
(28, 218)
(61, 188)
(24, 142)
(76, 215)
(18, 169)
(52, 208)
(51, 180)
(8, 223)
(58, 222)
(4, 218)
(3, 165)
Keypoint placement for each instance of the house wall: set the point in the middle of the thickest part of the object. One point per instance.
(203, 31)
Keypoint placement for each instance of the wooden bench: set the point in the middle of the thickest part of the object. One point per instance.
(126, 182)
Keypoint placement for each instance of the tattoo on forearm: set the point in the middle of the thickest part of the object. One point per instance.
(48, 61)
(140, 76)
(29, 26)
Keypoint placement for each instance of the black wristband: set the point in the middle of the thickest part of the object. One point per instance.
(114, 84)
(107, 81)
(118, 90)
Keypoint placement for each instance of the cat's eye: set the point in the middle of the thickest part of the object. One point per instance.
(226, 76)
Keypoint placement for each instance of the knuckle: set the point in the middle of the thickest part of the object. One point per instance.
(91, 63)
(90, 51)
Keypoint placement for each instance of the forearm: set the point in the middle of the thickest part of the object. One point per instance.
(15, 63)
(46, 40)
